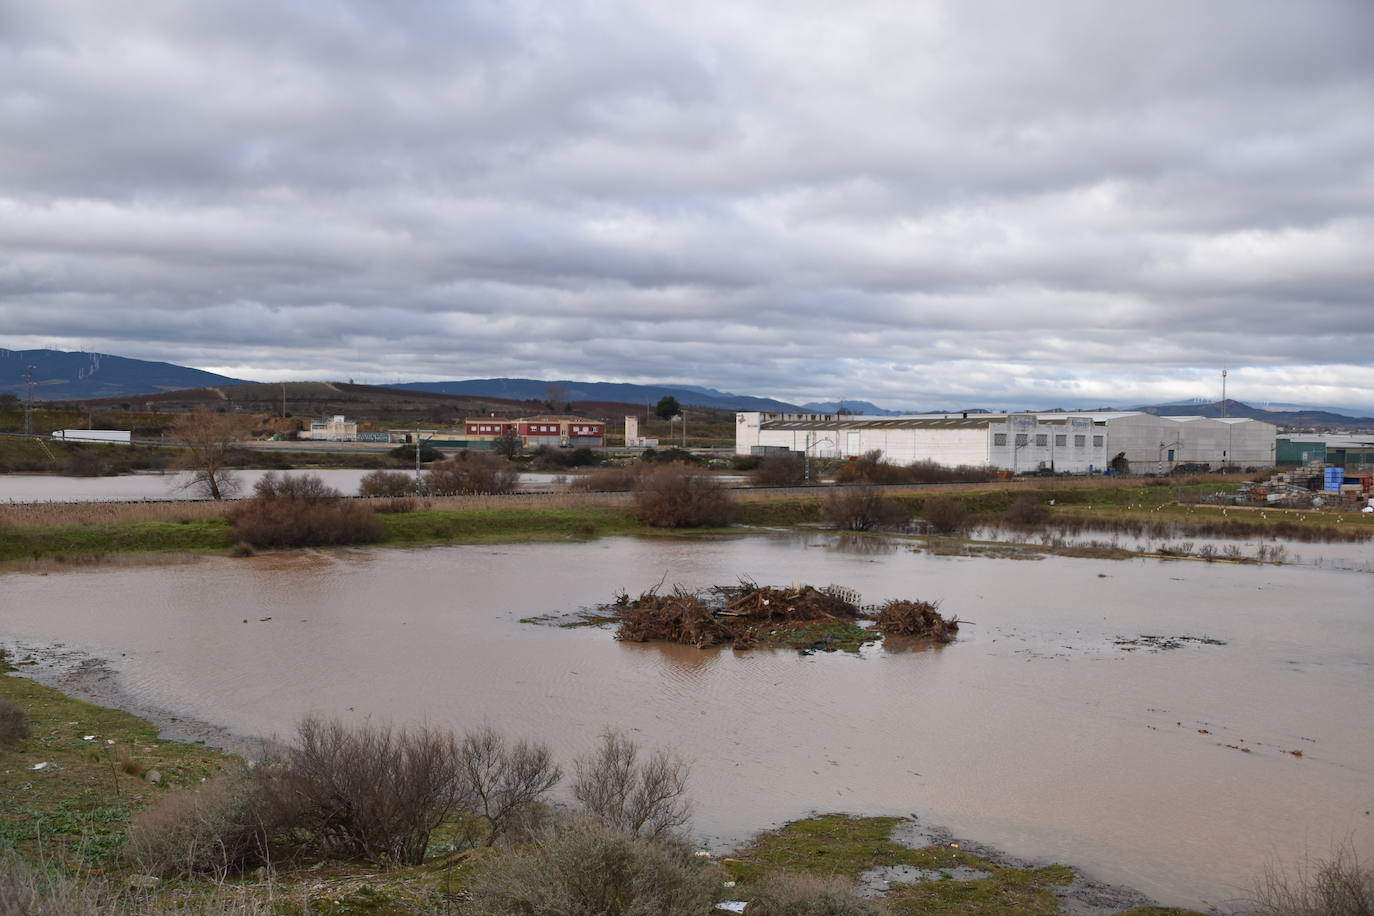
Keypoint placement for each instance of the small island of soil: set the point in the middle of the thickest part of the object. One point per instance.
(747, 615)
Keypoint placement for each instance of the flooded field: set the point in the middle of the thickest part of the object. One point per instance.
(1060, 725)
(24, 488)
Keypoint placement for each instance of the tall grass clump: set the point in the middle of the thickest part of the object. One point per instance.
(586, 868)
(14, 725)
(676, 496)
(802, 894)
(302, 511)
(222, 827)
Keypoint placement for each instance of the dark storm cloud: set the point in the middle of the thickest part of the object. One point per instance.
(987, 202)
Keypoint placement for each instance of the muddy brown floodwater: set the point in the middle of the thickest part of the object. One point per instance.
(1048, 728)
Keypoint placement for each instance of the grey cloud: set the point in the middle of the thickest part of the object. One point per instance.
(1074, 200)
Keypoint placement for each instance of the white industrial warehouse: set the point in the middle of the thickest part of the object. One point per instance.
(1078, 443)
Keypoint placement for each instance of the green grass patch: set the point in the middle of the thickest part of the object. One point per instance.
(78, 804)
(508, 525)
(193, 535)
(841, 845)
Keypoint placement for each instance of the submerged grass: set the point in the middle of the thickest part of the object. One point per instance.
(844, 846)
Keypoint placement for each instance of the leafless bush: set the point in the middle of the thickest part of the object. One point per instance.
(945, 515)
(676, 496)
(624, 789)
(606, 480)
(870, 468)
(368, 791)
(471, 472)
(302, 511)
(1027, 511)
(781, 471)
(586, 868)
(501, 781)
(14, 725)
(802, 894)
(386, 483)
(932, 472)
(862, 509)
(215, 829)
(1339, 886)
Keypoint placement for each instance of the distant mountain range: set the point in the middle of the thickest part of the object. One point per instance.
(528, 389)
(1298, 417)
(68, 376)
(59, 375)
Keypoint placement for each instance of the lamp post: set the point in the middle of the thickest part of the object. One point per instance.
(806, 453)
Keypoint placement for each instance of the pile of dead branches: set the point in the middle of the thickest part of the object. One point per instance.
(679, 617)
(915, 618)
(800, 602)
(744, 615)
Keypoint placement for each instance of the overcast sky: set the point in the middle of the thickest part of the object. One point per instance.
(916, 203)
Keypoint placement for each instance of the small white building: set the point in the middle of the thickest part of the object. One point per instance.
(1079, 443)
(335, 429)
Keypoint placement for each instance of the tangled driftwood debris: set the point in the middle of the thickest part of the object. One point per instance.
(749, 615)
(916, 618)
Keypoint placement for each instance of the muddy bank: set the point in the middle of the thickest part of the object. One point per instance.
(91, 679)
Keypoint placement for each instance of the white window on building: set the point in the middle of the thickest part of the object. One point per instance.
(999, 438)
(1097, 441)
(1079, 441)
(1061, 441)
(1042, 440)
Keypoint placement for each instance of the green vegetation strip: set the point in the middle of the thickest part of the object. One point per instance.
(202, 535)
(838, 844)
(522, 523)
(73, 796)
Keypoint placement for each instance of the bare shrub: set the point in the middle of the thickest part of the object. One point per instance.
(870, 468)
(215, 829)
(1027, 511)
(368, 791)
(386, 483)
(676, 496)
(14, 725)
(781, 471)
(606, 480)
(862, 509)
(500, 781)
(302, 511)
(1339, 886)
(932, 472)
(469, 473)
(945, 515)
(587, 869)
(624, 789)
(802, 894)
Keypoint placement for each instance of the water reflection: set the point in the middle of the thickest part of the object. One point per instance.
(1034, 730)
